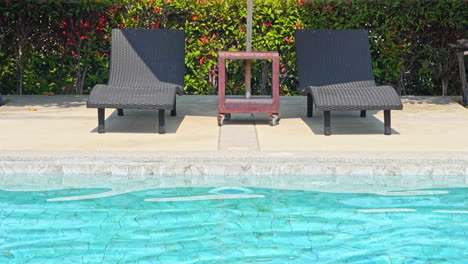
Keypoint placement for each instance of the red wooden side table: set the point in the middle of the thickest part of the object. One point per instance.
(254, 104)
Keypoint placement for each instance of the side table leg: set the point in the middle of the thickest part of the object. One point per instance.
(248, 78)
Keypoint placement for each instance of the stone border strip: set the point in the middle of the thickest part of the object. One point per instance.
(235, 163)
(117, 173)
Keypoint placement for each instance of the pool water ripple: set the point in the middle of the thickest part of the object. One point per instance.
(274, 226)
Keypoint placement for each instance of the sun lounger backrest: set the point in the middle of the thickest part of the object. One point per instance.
(333, 56)
(142, 57)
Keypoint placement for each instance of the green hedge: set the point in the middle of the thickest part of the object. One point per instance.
(62, 46)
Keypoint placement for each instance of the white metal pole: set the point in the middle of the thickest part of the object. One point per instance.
(248, 63)
(249, 25)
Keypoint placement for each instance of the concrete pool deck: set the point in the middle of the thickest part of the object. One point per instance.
(429, 138)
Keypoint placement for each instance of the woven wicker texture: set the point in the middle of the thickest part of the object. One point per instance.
(160, 96)
(147, 70)
(332, 56)
(347, 96)
(335, 67)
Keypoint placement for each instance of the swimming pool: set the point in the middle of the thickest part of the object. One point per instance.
(233, 225)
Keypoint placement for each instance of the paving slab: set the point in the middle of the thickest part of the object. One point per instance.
(63, 123)
(426, 124)
(239, 134)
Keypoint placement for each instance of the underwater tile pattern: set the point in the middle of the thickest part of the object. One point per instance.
(259, 225)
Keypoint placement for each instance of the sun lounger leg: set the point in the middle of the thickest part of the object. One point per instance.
(309, 105)
(174, 111)
(119, 111)
(162, 123)
(327, 121)
(387, 122)
(101, 120)
(363, 113)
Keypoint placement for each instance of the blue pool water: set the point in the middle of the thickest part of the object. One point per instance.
(259, 226)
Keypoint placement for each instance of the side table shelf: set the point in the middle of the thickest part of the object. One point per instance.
(254, 104)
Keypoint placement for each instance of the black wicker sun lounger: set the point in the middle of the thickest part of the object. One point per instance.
(335, 72)
(147, 70)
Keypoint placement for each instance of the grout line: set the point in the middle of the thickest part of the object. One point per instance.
(256, 134)
(219, 136)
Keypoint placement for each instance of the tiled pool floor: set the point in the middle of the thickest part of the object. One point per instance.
(247, 225)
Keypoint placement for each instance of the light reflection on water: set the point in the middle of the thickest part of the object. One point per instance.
(246, 225)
